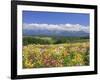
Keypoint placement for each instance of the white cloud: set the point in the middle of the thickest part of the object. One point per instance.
(56, 27)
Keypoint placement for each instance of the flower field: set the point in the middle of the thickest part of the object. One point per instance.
(56, 55)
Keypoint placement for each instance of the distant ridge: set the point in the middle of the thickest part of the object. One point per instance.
(55, 30)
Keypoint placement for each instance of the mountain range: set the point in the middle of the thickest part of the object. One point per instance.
(56, 30)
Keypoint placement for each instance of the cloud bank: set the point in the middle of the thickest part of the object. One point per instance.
(56, 27)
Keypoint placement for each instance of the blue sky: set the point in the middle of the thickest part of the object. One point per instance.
(55, 18)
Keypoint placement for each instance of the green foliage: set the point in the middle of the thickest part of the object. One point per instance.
(52, 40)
(37, 40)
